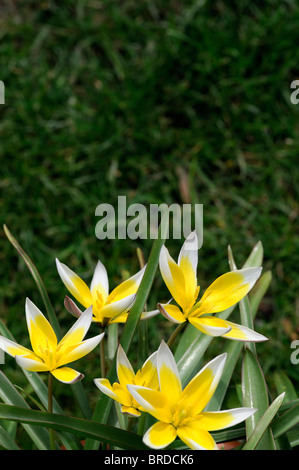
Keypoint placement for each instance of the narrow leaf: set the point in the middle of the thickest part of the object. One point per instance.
(263, 424)
(255, 395)
(90, 429)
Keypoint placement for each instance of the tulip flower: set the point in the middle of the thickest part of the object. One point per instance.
(107, 308)
(228, 289)
(146, 376)
(180, 412)
(47, 353)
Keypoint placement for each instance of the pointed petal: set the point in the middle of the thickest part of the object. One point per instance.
(215, 420)
(201, 388)
(116, 308)
(173, 277)
(31, 363)
(77, 332)
(159, 435)
(172, 313)
(152, 401)
(74, 353)
(74, 284)
(148, 375)
(242, 333)
(149, 314)
(169, 378)
(188, 259)
(130, 411)
(41, 332)
(67, 375)
(106, 388)
(100, 281)
(211, 326)
(127, 287)
(12, 348)
(195, 437)
(125, 372)
(227, 290)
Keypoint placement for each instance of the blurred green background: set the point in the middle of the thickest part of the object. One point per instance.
(163, 102)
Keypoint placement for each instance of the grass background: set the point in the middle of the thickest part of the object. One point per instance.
(160, 101)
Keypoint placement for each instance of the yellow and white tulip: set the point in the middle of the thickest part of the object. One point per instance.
(47, 353)
(146, 376)
(107, 308)
(180, 412)
(228, 289)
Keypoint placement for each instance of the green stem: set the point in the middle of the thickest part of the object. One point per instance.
(175, 333)
(50, 408)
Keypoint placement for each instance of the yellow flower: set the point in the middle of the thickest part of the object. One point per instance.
(48, 354)
(180, 412)
(146, 376)
(228, 289)
(107, 308)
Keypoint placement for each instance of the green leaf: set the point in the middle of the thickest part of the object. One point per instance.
(82, 427)
(10, 396)
(284, 384)
(286, 421)
(6, 441)
(263, 424)
(255, 395)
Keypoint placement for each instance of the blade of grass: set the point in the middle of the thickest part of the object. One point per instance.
(263, 424)
(38, 280)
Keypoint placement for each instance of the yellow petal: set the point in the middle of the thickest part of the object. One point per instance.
(74, 284)
(242, 333)
(195, 437)
(67, 375)
(41, 333)
(215, 420)
(227, 290)
(127, 287)
(169, 379)
(13, 349)
(32, 363)
(173, 278)
(147, 376)
(130, 411)
(100, 282)
(152, 401)
(172, 313)
(211, 326)
(187, 261)
(159, 435)
(125, 372)
(201, 388)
